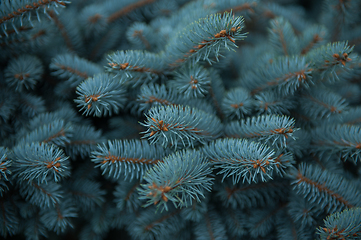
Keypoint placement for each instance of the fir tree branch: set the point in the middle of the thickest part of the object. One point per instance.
(342, 225)
(179, 178)
(177, 125)
(319, 186)
(11, 10)
(120, 156)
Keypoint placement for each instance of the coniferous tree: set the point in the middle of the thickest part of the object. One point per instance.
(158, 119)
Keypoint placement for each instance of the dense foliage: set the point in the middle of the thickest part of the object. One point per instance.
(178, 119)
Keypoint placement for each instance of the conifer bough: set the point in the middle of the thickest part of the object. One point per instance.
(10, 10)
(205, 37)
(179, 178)
(177, 125)
(199, 40)
(142, 116)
